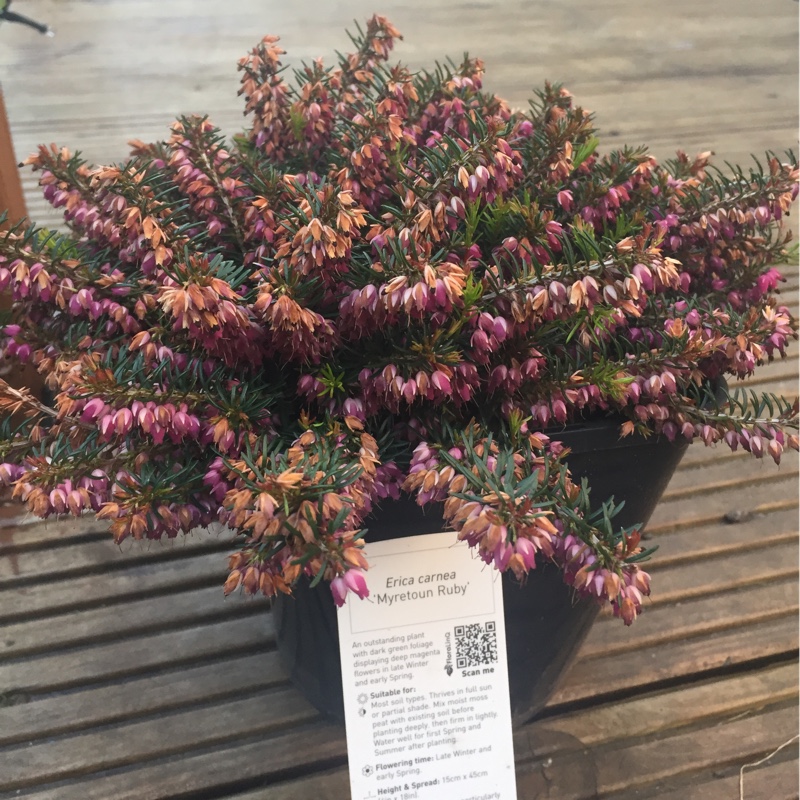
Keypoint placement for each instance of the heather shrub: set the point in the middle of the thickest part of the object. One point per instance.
(391, 283)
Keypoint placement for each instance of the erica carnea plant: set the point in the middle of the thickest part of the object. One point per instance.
(391, 282)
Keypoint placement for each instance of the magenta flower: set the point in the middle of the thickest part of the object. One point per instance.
(339, 589)
(356, 582)
(228, 338)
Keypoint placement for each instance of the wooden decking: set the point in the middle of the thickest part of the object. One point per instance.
(125, 674)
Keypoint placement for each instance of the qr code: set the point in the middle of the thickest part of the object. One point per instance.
(476, 644)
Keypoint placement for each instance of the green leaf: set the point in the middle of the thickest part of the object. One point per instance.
(585, 149)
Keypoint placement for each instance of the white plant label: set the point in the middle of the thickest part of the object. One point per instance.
(426, 677)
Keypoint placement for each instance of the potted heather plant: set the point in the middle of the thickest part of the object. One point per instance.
(393, 293)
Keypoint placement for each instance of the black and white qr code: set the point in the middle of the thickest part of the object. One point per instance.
(476, 644)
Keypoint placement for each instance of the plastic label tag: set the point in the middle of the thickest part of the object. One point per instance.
(426, 677)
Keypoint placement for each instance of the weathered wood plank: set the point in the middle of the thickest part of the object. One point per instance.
(704, 703)
(225, 768)
(731, 475)
(138, 579)
(212, 681)
(327, 785)
(144, 654)
(265, 712)
(726, 473)
(307, 748)
(651, 666)
(737, 512)
(748, 691)
(680, 513)
(690, 85)
(138, 616)
(604, 732)
(134, 618)
(779, 365)
(770, 782)
(718, 538)
(783, 386)
(723, 572)
(653, 761)
(699, 456)
(98, 555)
(20, 532)
(668, 623)
(101, 662)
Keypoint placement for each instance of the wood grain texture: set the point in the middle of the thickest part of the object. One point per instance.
(716, 76)
(554, 763)
(773, 781)
(141, 696)
(652, 762)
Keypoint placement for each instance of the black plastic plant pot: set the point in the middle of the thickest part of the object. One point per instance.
(545, 620)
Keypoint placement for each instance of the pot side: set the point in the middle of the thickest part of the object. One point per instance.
(546, 621)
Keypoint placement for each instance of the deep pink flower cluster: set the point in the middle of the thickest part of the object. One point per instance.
(391, 283)
(625, 587)
(156, 421)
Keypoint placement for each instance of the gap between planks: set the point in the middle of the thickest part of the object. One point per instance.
(776, 780)
(543, 743)
(651, 721)
(140, 697)
(729, 562)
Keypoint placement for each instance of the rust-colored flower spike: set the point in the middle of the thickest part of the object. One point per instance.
(390, 282)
